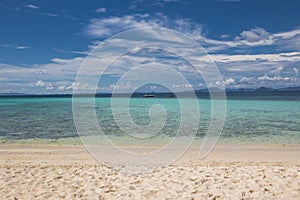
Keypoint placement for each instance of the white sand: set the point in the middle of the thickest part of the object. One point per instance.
(230, 172)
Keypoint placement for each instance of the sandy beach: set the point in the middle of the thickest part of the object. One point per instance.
(229, 172)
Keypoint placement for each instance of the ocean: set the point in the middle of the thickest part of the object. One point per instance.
(250, 118)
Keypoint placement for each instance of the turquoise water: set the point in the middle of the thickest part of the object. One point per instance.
(253, 120)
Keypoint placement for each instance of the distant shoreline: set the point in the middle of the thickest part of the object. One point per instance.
(267, 95)
(261, 90)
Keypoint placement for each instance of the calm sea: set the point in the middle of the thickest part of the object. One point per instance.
(250, 118)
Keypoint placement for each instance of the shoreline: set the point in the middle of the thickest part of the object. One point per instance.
(160, 141)
(220, 153)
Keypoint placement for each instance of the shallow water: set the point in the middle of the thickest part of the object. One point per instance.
(248, 120)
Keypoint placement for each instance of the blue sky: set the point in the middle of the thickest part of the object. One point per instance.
(42, 43)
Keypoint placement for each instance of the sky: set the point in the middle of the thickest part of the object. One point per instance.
(252, 43)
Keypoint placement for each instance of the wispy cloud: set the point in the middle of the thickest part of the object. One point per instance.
(32, 6)
(107, 26)
(49, 14)
(70, 17)
(275, 57)
(224, 36)
(101, 10)
(33, 9)
(39, 78)
(20, 47)
(71, 52)
(277, 69)
(255, 37)
(141, 4)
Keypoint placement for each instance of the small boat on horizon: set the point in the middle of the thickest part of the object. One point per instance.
(148, 96)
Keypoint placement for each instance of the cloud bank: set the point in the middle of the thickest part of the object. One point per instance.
(234, 55)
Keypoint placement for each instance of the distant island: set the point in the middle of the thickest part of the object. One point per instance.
(202, 93)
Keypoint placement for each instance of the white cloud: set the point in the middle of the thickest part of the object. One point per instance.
(79, 86)
(277, 70)
(241, 68)
(20, 47)
(252, 38)
(121, 86)
(73, 52)
(224, 36)
(187, 27)
(101, 10)
(108, 26)
(50, 14)
(290, 44)
(46, 85)
(32, 6)
(229, 81)
(61, 88)
(279, 57)
(246, 79)
(49, 88)
(255, 37)
(288, 34)
(182, 86)
(274, 78)
(85, 87)
(104, 27)
(61, 72)
(220, 84)
(40, 83)
(255, 34)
